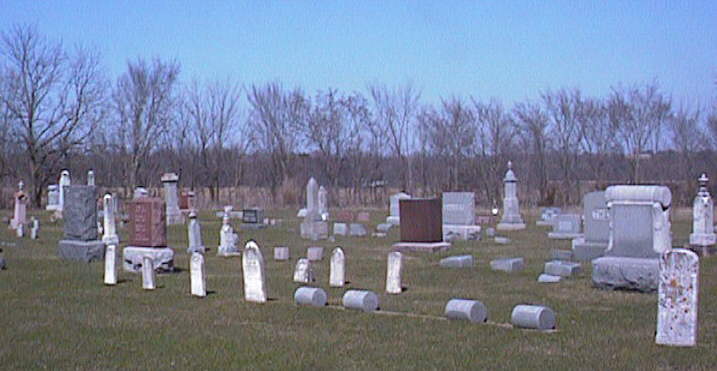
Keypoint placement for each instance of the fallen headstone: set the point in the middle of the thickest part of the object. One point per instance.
(562, 268)
(461, 261)
(533, 317)
(502, 240)
(548, 278)
(313, 296)
(363, 300)
(507, 264)
(463, 309)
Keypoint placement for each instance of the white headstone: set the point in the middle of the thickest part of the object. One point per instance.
(533, 316)
(35, 229)
(90, 178)
(312, 199)
(20, 230)
(511, 219)
(253, 269)
(313, 296)
(111, 265)
(197, 275)
(171, 198)
(337, 275)
(678, 298)
(227, 238)
(364, 300)
(194, 231)
(703, 233)
(303, 272)
(147, 273)
(315, 253)
(64, 182)
(393, 273)
(109, 228)
(463, 309)
(323, 203)
(281, 253)
(394, 217)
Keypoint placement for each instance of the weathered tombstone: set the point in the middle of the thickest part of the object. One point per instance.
(254, 277)
(703, 231)
(340, 229)
(678, 298)
(363, 300)
(547, 214)
(357, 230)
(253, 218)
(171, 198)
(147, 273)
(197, 275)
(140, 192)
(344, 216)
(597, 228)
(303, 272)
(468, 310)
(566, 226)
(393, 273)
(313, 227)
(511, 219)
(111, 265)
(337, 273)
(639, 233)
(147, 235)
(490, 232)
(186, 200)
(20, 231)
(20, 212)
(227, 238)
(35, 228)
(459, 216)
(363, 217)
(194, 231)
(548, 278)
(64, 182)
(533, 317)
(109, 236)
(323, 203)
(562, 268)
(313, 296)
(384, 227)
(315, 253)
(394, 216)
(53, 197)
(91, 178)
(509, 265)
(461, 261)
(421, 225)
(501, 240)
(80, 240)
(556, 254)
(281, 253)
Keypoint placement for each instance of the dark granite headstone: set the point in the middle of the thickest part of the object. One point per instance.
(421, 220)
(147, 222)
(252, 216)
(80, 213)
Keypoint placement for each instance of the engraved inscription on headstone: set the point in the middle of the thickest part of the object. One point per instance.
(678, 299)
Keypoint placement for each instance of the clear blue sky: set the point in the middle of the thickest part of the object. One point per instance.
(510, 50)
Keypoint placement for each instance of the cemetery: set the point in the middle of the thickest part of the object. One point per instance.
(543, 298)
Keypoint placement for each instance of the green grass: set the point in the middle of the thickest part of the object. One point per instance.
(59, 315)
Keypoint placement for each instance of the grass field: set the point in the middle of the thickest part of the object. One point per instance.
(58, 315)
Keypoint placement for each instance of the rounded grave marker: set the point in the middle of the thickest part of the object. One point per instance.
(464, 309)
(533, 317)
(314, 296)
(364, 300)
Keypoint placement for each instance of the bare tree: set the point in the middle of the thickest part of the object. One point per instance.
(532, 123)
(395, 110)
(496, 132)
(54, 100)
(597, 139)
(144, 102)
(688, 139)
(636, 114)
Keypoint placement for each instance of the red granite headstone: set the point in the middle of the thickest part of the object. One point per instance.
(421, 220)
(186, 200)
(147, 222)
(345, 216)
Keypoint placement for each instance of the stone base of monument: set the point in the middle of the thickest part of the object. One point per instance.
(461, 232)
(85, 251)
(702, 239)
(253, 225)
(393, 220)
(314, 230)
(563, 235)
(421, 246)
(162, 258)
(613, 272)
(544, 223)
(510, 226)
(587, 251)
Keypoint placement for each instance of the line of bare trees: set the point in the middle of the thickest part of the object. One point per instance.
(59, 110)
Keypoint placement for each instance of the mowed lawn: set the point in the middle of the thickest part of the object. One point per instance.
(58, 314)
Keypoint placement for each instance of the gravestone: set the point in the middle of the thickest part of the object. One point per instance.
(313, 296)
(511, 220)
(111, 265)
(53, 197)
(678, 298)
(393, 273)
(313, 227)
(91, 178)
(197, 275)
(140, 192)
(459, 216)
(703, 231)
(303, 272)
(394, 216)
(171, 198)
(639, 233)
(501, 240)
(254, 276)
(315, 253)
(363, 300)
(357, 230)
(597, 228)
(548, 278)
(186, 201)
(253, 218)
(35, 228)
(80, 240)
(64, 183)
(148, 273)
(227, 238)
(194, 232)
(340, 229)
(344, 216)
(147, 235)
(421, 225)
(20, 211)
(509, 265)
(461, 261)
(109, 236)
(562, 268)
(547, 214)
(363, 217)
(533, 317)
(468, 310)
(566, 226)
(323, 203)
(337, 274)
(281, 253)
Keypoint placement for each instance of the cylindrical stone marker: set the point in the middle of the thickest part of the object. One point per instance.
(314, 296)
(364, 300)
(147, 273)
(463, 309)
(533, 316)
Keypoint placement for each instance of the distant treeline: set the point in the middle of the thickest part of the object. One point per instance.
(59, 110)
